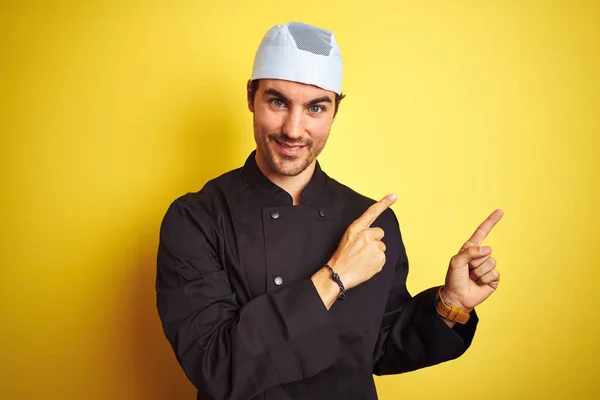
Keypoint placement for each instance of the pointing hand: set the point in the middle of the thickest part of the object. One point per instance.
(361, 253)
(472, 276)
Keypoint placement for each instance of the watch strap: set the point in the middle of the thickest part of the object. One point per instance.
(450, 312)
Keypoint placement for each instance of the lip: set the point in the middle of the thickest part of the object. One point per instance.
(287, 151)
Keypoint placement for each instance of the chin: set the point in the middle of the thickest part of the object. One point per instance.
(288, 167)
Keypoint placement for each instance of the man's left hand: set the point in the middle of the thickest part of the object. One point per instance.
(472, 275)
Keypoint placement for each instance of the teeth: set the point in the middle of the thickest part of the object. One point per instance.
(289, 148)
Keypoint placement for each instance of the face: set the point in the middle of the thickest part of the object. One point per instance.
(291, 124)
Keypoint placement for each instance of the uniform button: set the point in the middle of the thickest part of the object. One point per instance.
(274, 214)
(278, 280)
(322, 212)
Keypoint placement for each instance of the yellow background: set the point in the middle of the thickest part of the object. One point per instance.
(111, 109)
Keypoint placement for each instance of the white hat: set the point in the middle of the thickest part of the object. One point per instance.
(300, 53)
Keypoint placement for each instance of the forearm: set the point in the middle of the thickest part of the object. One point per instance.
(327, 288)
(236, 352)
(418, 338)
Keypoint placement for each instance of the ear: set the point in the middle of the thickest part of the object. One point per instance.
(249, 96)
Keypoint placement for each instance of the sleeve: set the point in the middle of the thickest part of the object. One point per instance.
(230, 351)
(412, 334)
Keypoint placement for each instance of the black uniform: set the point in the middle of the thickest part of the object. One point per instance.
(245, 321)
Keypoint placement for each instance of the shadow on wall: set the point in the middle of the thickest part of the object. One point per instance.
(207, 141)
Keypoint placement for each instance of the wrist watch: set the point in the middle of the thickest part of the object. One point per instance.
(449, 311)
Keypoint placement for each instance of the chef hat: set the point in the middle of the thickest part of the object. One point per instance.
(302, 53)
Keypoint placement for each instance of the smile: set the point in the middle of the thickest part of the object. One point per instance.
(287, 149)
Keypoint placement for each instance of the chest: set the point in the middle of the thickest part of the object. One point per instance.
(271, 247)
(277, 246)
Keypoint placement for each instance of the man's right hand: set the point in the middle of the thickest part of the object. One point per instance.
(359, 256)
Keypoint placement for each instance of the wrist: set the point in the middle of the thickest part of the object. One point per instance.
(345, 276)
(338, 281)
(452, 300)
(447, 308)
(327, 288)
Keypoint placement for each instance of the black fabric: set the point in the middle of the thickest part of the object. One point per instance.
(239, 335)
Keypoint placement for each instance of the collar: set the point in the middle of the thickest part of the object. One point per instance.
(319, 191)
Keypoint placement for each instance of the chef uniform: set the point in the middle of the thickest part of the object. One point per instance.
(243, 317)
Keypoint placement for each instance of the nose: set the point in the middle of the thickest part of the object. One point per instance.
(293, 125)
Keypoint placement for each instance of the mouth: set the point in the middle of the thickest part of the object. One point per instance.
(289, 149)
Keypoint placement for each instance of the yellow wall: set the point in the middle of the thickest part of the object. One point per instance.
(110, 110)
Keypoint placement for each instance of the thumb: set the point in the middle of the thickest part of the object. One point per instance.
(469, 254)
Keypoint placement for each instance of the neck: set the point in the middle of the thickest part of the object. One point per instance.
(291, 184)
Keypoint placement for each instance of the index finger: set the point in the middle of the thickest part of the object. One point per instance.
(484, 229)
(375, 211)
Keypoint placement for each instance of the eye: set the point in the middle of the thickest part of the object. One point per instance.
(277, 103)
(316, 109)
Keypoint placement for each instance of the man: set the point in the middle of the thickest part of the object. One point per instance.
(277, 282)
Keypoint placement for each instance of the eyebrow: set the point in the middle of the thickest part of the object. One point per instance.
(276, 93)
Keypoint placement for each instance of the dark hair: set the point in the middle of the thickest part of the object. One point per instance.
(254, 88)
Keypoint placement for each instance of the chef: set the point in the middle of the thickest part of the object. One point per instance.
(275, 281)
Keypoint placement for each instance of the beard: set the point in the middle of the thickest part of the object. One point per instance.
(283, 164)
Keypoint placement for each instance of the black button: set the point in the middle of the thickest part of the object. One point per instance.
(274, 214)
(278, 280)
(322, 212)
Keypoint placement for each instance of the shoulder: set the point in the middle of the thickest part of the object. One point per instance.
(200, 207)
(211, 195)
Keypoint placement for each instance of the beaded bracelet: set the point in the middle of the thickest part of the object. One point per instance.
(337, 280)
